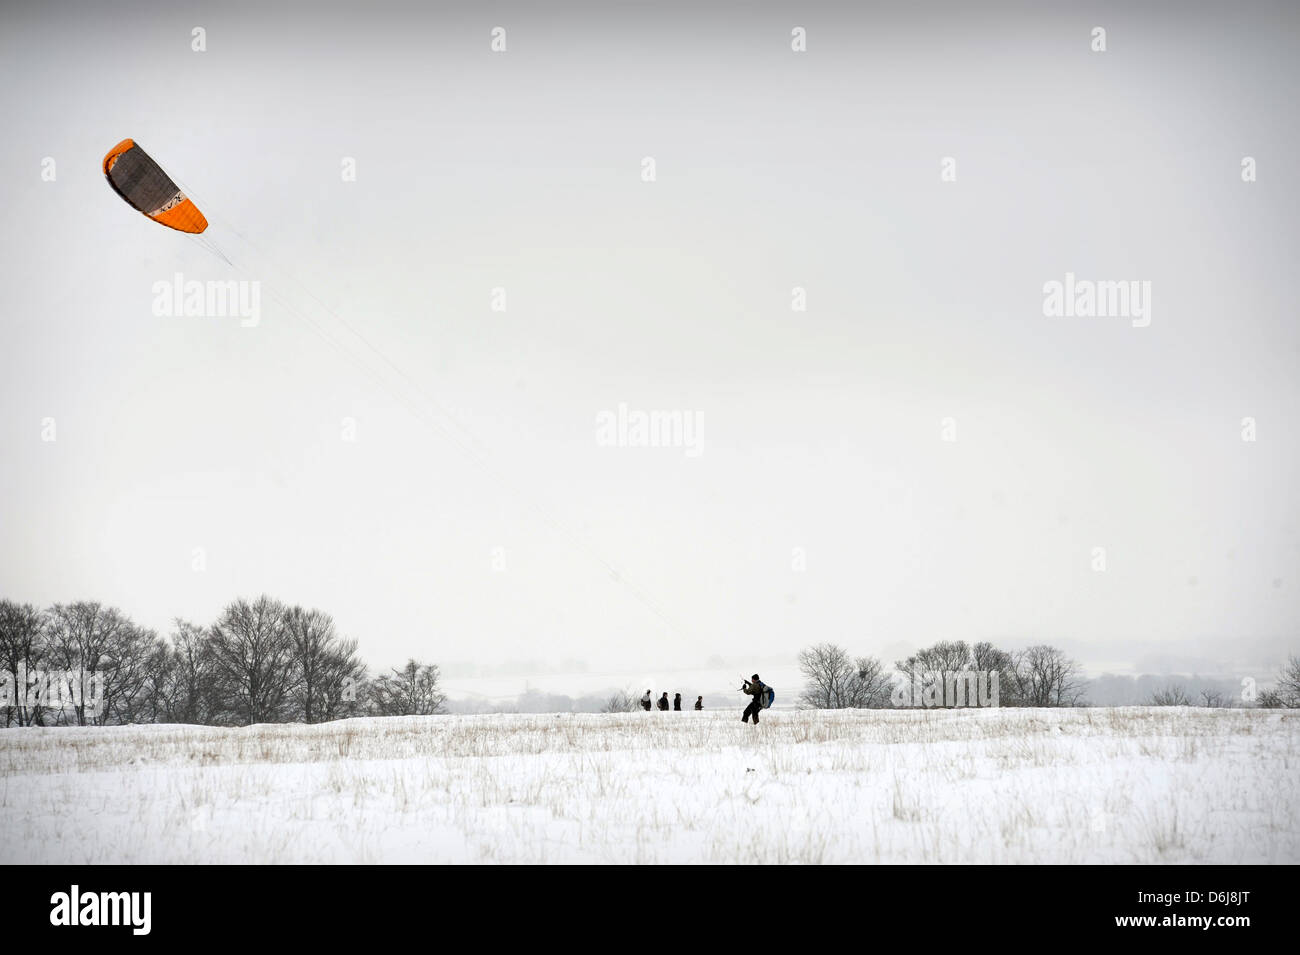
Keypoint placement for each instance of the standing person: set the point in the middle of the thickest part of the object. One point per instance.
(677, 701)
(645, 701)
(699, 702)
(753, 687)
(663, 701)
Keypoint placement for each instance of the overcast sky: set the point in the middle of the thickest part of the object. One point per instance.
(825, 502)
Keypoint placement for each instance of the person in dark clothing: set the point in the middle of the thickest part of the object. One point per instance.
(645, 701)
(663, 701)
(753, 687)
(699, 702)
(677, 701)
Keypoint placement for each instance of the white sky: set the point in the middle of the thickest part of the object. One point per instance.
(821, 429)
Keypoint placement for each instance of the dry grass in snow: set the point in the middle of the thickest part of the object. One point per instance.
(1128, 785)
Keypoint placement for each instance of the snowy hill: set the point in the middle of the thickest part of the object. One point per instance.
(1067, 786)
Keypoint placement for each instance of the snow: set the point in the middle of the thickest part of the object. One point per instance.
(1123, 785)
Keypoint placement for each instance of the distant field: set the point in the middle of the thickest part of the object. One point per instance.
(1131, 785)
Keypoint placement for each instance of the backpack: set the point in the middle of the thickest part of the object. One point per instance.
(768, 695)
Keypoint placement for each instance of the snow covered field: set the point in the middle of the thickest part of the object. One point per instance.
(1087, 785)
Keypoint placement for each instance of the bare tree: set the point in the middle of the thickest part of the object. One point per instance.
(948, 657)
(260, 662)
(311, 638)
(342, 683)
(833, 680)
(159, 692)
(91, 641)
(622, 701)
(944, 656)
(153, 704)
(1212, 699)
(1270, 700)
(827, 670)
(252, 657)
(989, 659)
(411, 691)
(870, 685)
(184, 682)
(326, 670)
(1045, 676)
(23, 650)
(1288, 683)
(1172, 695)
(129, 668)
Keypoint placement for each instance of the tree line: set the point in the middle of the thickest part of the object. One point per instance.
(264, 661)
(1040, 675)
(261, 661)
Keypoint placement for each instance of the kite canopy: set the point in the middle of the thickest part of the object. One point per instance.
(142, 183)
